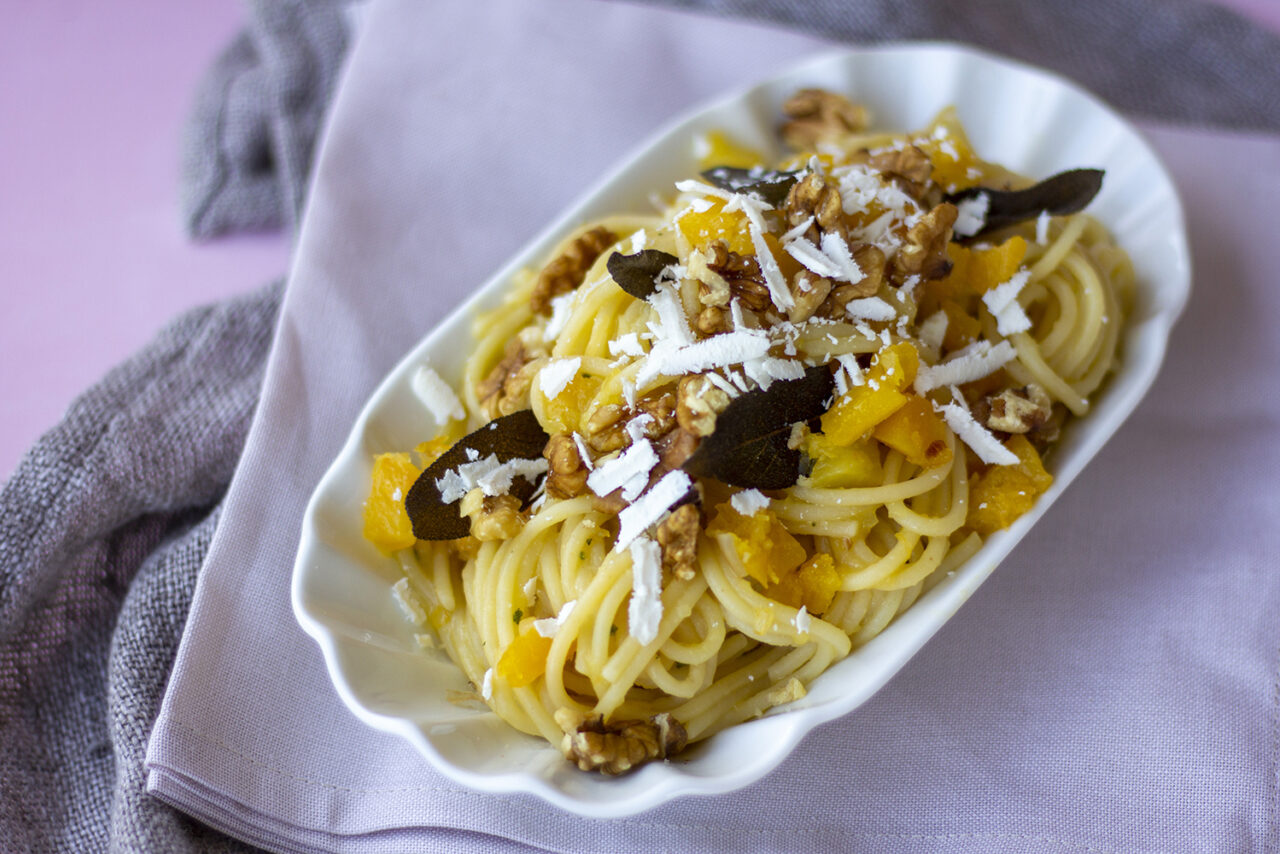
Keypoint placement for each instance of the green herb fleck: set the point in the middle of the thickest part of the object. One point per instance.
(613, 630)
(517, 616)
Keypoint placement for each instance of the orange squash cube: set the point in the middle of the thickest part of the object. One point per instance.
(703, 228)
(525, 660)
(766, 548)
(843, 466)
(714, 148)
(989, 268)
(386, 524)
(1001, 494)
(863, 407)
(916, 432)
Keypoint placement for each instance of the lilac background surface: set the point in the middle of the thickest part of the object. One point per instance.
(93, 259)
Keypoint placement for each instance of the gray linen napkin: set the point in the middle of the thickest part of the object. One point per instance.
(104, 524)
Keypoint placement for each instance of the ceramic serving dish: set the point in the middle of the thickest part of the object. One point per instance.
(1022, 117)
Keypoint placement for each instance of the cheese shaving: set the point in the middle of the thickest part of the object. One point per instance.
(548, 626)
(635, 519)
(489, 475)
(972, 363)
(644, 612)
(436, 396)
(870, 308)
(629, 471)
(971, 215)
(749, 502)
(973, 434)
(557, 374)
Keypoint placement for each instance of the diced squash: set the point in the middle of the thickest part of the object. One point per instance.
(525, 660)
(962, 328)
(989, 268)
(703, 228)
(917, 433)
(812, 585)
(843, 466)
(566, 410)
(718, 149)
(863, 407)
(766, 548)
(386, 524)
(1001, 494)
(432, 449)
(948, 149)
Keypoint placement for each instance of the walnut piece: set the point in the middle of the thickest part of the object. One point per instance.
(924, 253)
(816, 197)
(909, 165)
(698, 404)
(620, 746)
(809, 291)
(712, 320)
(505, 389)
(742, 274)
(605, 430)
(678, 536)
(567, 270)
(493, 517)
(567, 475)
(1019, 410)
(818, 116)
(662, 410)
(870, 260)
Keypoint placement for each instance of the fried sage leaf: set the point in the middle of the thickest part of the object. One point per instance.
(1065, 193)
(772, 185)
(749, 445)
(638, 274)
(514, 436)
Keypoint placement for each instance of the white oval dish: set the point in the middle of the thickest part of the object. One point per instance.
(1024, 118)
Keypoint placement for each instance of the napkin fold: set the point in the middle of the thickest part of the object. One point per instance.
(1111, 688)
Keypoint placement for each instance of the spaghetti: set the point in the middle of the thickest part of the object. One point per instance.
(635, 604)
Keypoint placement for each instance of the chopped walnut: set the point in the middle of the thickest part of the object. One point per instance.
(493, 517)
(566, 271)
(713, 290)
(712, 320)
(662, 409)
(699, 402)
(506, 387)
(818, 116)
(678, 536)
(742, 274)
(809, 292)
(620, 746)
(924, 253)
(909, 165)
(567, 475)
(870, 260)
(816, 197)
(673, 449)
(1019, 410)
(605, 430)
(1048, 433)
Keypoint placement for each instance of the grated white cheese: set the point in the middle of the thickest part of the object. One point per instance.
(409, 602)
(583, 451)
(629, 392)
(486, 685)
(835, 248)
(798, 231)
(773, 278)
(491, 476)
(971, 215)
(718, 351)
(548, 626)
(1042, 228)
(636, 426)
(636, 518)
(723, 384)
(1002, 302)
(870, 308)
(749, 502)
(561, 308)
(557, 374)
(644, 613)
(436, 396)
(629, 471)
(973, 434)
(811, 257)
(626, 345)
(972, 363)
(849, 368)
(672, 324)
(692, 186)
(802, 621)
(638, 241)
(933, 330)
(766, 370)
(530, 588)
